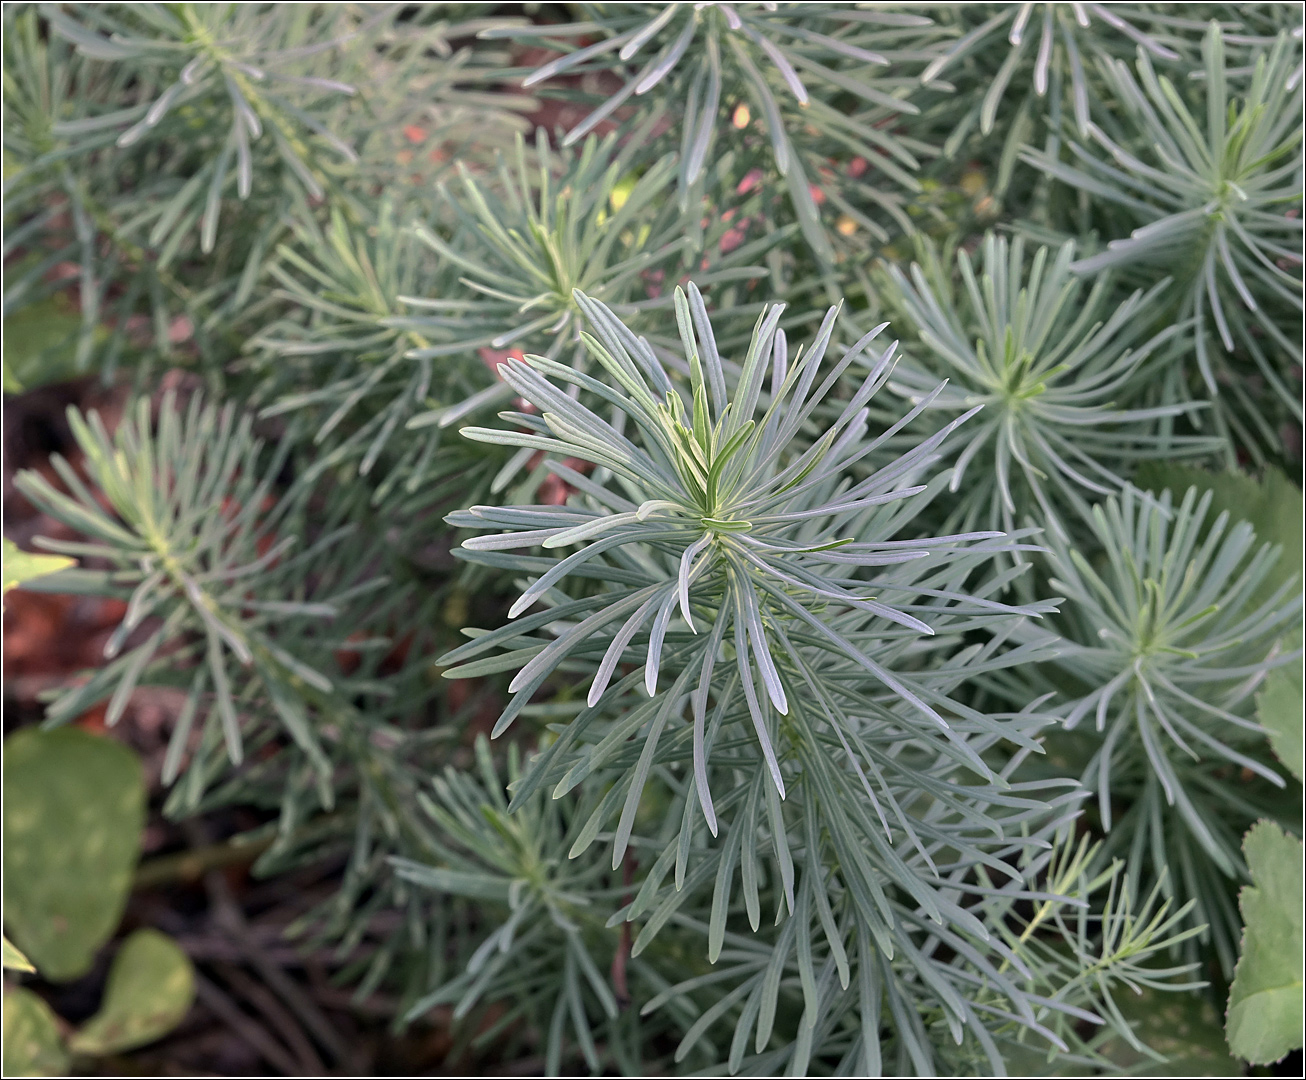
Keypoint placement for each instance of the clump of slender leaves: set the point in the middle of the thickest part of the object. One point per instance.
(771, 454)
(1047, 364)
(786, 60)
(1170, 636)
(1209, 186)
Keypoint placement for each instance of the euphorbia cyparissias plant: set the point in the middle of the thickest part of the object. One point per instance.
(745, 532)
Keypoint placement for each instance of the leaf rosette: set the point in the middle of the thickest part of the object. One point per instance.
(742, 525)
(1052, 362)
(1170, 633)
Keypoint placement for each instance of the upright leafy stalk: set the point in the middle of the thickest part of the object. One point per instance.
(707, 710)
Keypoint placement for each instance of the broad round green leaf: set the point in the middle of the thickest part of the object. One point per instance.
(74, 807)
(150, 989)
(31, 1043)
(40, 344)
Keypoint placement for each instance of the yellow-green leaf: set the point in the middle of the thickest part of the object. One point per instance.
(31, 1044)
(150, 990)
(14, 960)
(20, 565)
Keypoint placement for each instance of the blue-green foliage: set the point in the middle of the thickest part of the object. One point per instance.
(862, 714)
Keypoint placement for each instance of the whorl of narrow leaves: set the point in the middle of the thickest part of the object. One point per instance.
(694, 54)
(553, 228)
(340, 363)
(504, 860)
(554, 224)
(1049, 364)
(1167, 635)
(687, 44)
(747, 525)
(524, 248)
(1211, 188)
(1074, 870)
(248, 56)
(345, 349)
(190, 526)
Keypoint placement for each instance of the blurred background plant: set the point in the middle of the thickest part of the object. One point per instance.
(804, 702)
